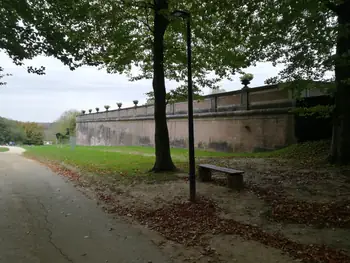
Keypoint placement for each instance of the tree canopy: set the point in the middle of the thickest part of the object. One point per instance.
(34, 133)
(11, 131)
(310, 38)
(20, 132)
(67, 120)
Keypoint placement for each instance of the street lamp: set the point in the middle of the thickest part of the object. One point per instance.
(192, 168)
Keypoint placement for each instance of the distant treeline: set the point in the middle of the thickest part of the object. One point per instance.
(36, 133)
(20, 132)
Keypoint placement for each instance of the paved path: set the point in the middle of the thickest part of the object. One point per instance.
(44, 219)
(14, 150)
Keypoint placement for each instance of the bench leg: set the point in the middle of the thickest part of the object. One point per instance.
(235, 181)
(204, 174)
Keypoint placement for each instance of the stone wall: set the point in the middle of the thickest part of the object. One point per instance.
(224, 131)
(222, 122)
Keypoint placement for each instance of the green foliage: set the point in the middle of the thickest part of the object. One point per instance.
(32, 28)
(66, 120)
(288, 32)
(20, 132)
(278, 31)
(319, 111)
(34, 133)
(177, 95)
(118, 35)
(247, 76)
(227, 36)
(300, 86)
(11, 131)
(129, 41)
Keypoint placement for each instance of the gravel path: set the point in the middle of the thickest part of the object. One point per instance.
(14, 150)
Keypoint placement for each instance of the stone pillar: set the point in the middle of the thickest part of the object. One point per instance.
(245, 98)
(214, 104)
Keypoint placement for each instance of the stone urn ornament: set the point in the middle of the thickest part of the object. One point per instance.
(107, 107)
(83, 112)
(119, 104)
(90, 110)
(97, 109)
(246, 79)
(136, 102)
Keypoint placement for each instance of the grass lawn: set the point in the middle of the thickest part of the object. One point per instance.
(136, 160)
(124, 160)
(4, 149)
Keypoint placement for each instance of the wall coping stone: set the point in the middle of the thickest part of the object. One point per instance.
(222, 94)
(227, 108)
(269, 111)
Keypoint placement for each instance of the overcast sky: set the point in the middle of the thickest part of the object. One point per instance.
(29, 97)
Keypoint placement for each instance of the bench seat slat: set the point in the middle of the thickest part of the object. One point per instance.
(221, 169)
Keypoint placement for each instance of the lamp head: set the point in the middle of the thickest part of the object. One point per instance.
(180, 13)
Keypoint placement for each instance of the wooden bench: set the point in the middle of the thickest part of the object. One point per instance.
(234, 177)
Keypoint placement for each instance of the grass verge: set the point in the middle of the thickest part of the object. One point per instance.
(4, 149)
(126, 161)
(122, 163)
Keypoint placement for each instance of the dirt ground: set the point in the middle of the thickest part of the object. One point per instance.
(288, 212)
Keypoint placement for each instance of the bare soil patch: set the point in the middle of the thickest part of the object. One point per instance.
(287, 212)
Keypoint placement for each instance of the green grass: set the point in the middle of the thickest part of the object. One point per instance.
(112, 160)
(4, 149)
(136, 161)
(179, 154)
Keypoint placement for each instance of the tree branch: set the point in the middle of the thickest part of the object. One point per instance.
(145, 23)
(144, 5)
(147, 20)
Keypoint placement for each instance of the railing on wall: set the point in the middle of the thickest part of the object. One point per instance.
(264, 97)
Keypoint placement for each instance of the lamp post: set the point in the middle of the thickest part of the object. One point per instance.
(192, 169)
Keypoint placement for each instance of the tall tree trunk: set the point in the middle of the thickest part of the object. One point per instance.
(163, 156)
(340, 148)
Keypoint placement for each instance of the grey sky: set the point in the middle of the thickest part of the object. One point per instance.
(29, 97)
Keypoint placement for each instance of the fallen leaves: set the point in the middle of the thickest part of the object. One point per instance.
(184, 222)
(189, 223)
(59, 169)
(333, 214)
(321, 215)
